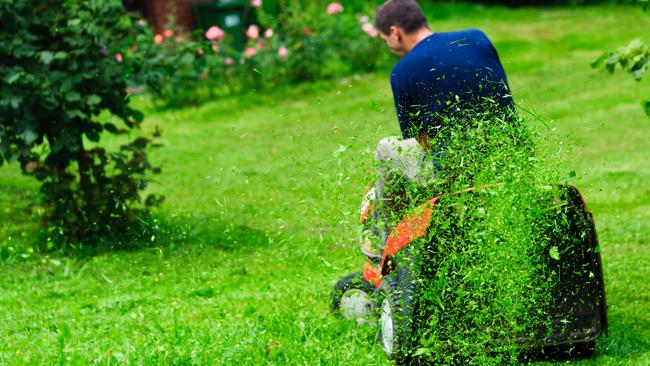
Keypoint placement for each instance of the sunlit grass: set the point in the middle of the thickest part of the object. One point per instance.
(262, 193)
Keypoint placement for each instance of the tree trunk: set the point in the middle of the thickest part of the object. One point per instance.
(85, 182)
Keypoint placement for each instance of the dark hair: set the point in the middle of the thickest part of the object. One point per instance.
(405, 14)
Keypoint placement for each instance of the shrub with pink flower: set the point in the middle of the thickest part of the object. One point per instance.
(118, 57)
(250, 52)
(253, 31)
(321, 43)
(283, 52)
(370, 30)
(214, 33)
(334, 8)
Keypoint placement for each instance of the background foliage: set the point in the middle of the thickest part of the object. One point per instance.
(301, 43)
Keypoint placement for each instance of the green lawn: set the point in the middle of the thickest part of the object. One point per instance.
(262, 195)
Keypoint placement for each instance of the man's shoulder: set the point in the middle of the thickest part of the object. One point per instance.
(472, 34)
(421, 55)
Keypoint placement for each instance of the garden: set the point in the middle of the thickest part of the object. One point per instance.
(169, 197)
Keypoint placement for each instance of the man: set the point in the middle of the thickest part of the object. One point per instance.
(439, 77)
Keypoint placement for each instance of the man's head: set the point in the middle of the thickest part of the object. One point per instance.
(396, 21)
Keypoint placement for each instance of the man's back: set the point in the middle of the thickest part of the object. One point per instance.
(443, 73)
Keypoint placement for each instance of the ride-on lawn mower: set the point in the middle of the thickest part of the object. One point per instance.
(400, 290)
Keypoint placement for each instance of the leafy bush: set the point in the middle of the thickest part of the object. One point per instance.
(62, 64)
(633, 58)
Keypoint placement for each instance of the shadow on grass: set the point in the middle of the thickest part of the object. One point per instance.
(177, 232)
(147, 234)
(212, 232)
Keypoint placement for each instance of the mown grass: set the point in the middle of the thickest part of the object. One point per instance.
(262, 193)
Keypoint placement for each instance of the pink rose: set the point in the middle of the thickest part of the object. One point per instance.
(283, 52)
(214, 33)
(259, 44)
(250, 52)
(118, 57)
(268, 33)
(228, 61)
(256, 3)
(253, 32)
(158, 39)
(168, 33)
(334, 8)
(370, 30)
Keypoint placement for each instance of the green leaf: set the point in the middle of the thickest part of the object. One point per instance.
(12, 77)
(75, 113)
(554, 253)
(187, 59)
(47, 57)
(638, 74)
(15, 101)
(597, 63)
(72, 96)
(646, 107)
(93, 100)
(612, 59)
(422, 351)
(61, 55)
(29, 136)
(125, 22)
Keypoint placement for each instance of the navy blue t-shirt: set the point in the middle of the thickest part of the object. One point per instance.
(443, 73)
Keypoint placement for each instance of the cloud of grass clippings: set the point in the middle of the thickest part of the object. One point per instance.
(485, 277)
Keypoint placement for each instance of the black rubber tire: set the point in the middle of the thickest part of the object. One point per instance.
(398, 288)
(352, 281)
